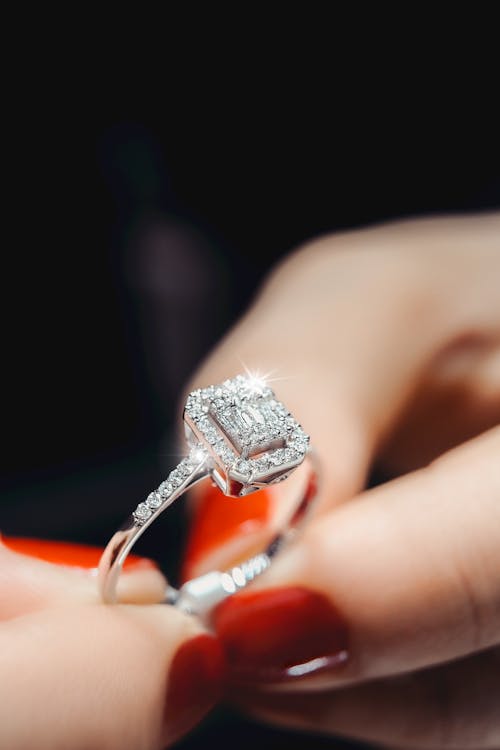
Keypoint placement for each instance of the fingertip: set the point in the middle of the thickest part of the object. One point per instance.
(281, 634)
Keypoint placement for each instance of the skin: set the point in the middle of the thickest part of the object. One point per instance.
(78, 674)
(388, 342)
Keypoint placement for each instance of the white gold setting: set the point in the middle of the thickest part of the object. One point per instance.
(175, 481)
(241, 436)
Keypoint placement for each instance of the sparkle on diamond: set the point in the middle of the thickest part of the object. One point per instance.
(246, 426)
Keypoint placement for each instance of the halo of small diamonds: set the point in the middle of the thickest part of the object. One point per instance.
(251, 435)
(240, 428)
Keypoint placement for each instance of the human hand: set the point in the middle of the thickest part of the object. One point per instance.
(382, 622)
(76, 674)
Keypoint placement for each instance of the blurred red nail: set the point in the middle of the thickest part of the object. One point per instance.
(69, 553)
(280, 634)
(218, 519)
(195, 684)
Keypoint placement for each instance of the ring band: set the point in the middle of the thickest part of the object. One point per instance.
(242, 437)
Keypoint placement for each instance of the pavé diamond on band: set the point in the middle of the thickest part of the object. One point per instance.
(242, 437)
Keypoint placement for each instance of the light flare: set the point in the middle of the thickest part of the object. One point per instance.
(258, 380)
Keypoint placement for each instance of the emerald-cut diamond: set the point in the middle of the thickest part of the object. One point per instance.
(252, 437)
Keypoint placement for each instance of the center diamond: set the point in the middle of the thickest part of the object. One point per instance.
(251, 426)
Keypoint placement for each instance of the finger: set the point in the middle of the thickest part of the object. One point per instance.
(36, 573)
(332, 324)
(324, 381)
(453, 706)
(343, 306)
(404, 577)
(104, 676)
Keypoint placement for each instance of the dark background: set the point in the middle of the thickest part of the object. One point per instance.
(135, 239)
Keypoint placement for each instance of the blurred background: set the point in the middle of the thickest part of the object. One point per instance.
(136, 239)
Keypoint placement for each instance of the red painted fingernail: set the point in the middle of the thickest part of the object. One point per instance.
(69, 553)
(280, 634)
(195, 684)
(218, 519)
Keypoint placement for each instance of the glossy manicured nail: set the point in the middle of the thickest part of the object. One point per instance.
(280, 634)
(195, 684)
(69, 553)
(218, 519)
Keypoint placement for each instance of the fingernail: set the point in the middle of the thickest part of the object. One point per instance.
(280, 634)
(195, 684)
(68, 553)
(218, 519)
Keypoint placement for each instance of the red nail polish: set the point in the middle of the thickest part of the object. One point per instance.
(69, 553)
(218, 519)
(280, 634)
(195, 684)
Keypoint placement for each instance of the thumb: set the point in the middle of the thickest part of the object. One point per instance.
(119, 677)
(114, 677)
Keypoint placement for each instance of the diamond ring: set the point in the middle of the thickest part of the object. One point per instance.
(241, 436)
